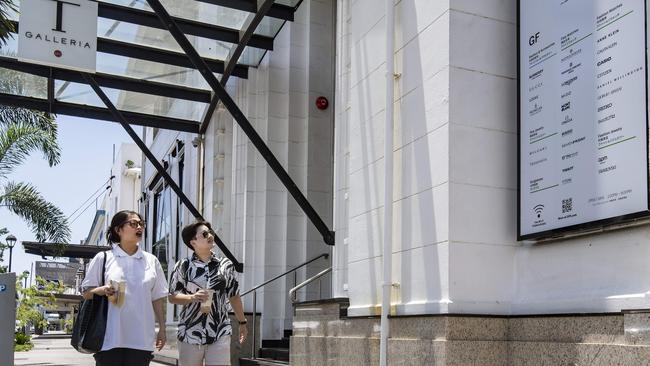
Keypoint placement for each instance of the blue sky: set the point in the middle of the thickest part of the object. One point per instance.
(86, 160)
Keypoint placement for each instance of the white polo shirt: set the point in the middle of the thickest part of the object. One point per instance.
(133, 324)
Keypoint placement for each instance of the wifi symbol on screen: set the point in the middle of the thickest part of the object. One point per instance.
(538, 210)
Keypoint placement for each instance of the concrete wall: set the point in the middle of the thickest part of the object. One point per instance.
(421, 155)
(455, 146)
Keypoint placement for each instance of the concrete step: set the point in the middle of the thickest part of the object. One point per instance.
(261, 362)
(279, 354)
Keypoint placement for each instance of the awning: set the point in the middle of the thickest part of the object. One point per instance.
(142, 68)
(63, 250)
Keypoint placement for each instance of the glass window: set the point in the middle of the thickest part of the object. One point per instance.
(20, 83)
(162, 226)
(129, 101)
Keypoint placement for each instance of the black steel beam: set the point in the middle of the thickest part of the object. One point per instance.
(251, 23)
(279, 11)
(132, 50)
(111, 81)
(85, 111)
(161, 170)
(244, 123)
(191, 27)
(162, 56)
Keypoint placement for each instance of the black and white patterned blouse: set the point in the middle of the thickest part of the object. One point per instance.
(191, 275)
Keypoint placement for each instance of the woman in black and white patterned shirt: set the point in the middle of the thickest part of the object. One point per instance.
(205, 335)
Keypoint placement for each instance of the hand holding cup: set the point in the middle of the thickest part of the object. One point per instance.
(105, 290)
(112, 292)
(206, 304)
(201, 295)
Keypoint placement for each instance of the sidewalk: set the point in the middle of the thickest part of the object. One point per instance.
(55, 350)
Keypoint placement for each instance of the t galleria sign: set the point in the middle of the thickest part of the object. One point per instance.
(60, 33)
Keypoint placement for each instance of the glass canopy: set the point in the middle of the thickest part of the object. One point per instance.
(139, 64)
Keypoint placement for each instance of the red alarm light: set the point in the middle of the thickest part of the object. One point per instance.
(322, 103)
(58, 53)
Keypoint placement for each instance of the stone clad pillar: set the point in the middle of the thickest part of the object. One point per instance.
(8, 318)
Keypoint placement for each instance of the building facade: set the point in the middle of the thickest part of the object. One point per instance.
(464, 290)
(123, 191)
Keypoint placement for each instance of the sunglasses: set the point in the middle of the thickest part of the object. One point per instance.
(134, 223)
(206, 233)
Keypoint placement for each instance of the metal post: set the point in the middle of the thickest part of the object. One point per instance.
(253, 347)
(11, 249)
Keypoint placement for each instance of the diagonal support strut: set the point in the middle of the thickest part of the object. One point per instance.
(251, 23)
(239, 267)
(244, 123)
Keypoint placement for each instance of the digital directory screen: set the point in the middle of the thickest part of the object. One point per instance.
(583, 131)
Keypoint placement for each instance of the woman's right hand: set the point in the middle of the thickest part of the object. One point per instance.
(200, 296)
(105, 290)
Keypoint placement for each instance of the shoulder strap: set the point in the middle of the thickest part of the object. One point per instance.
(104, 268)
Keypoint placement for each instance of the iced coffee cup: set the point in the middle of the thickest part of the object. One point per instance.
(120, 291)
(206, 305)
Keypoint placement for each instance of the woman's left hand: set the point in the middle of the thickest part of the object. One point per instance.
(243, 332)
(161, 339)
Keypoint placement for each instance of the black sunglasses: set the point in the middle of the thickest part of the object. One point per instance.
(134, 223)
(206, 233)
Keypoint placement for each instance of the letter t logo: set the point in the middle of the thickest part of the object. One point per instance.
(59, 14)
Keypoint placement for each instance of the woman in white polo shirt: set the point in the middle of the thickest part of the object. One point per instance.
(130, 329)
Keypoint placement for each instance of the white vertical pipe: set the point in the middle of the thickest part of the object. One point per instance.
(388, 185)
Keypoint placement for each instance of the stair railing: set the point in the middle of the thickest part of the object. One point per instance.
(292, 292)
(254, 291)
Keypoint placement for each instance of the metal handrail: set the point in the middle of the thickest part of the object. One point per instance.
(254, 291)
(324, 255)
(292, 292)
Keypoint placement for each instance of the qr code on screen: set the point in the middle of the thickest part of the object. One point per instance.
(567, 205)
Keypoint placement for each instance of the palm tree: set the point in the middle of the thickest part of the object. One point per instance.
(6, 27)
(22, 132)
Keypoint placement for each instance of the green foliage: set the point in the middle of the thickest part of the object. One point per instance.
(22, 342)
(23, 347)
(69, 323)
(23, 132)
(34, 299)
(22, 338)
(6, 26)
(3, 232)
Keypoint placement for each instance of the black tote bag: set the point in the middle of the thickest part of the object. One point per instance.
(90, 326)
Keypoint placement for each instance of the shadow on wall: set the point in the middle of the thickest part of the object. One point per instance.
(416, 208)
(414, 216)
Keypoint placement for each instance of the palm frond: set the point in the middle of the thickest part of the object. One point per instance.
(46, 221)
(6, 27)
(20, 138)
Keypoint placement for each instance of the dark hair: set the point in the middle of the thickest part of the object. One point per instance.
(189, 231)
(119, 219)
